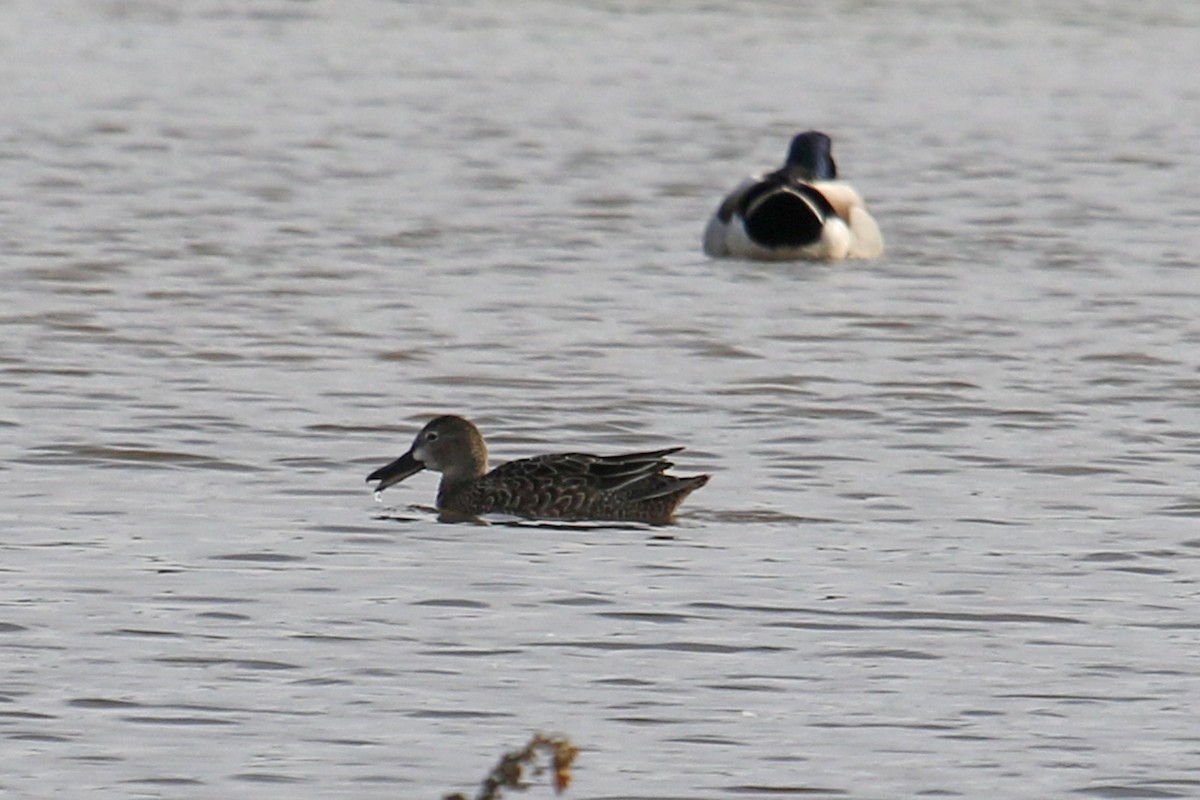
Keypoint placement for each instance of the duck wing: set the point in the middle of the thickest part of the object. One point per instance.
(583, 470)
(611, 473)
(574, 485)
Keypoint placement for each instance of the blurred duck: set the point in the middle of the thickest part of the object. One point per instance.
(799, 211)
(565, 486)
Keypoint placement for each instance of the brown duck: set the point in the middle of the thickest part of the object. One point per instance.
(563, 486)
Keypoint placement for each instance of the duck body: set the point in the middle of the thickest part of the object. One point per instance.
(799, 211)
(563, 486)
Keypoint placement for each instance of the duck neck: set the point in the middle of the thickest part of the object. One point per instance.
(459, 476)
(447, 490)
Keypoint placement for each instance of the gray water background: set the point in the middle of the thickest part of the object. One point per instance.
(950, 547)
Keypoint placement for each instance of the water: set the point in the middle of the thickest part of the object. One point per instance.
(950, 547)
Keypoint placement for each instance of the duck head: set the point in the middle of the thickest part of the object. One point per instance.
(810, 154)
(448, 444)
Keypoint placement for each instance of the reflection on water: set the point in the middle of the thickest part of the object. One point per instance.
(251, 250)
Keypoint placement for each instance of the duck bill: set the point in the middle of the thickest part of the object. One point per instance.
(403, 467)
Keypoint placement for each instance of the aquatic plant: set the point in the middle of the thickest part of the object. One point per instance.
(509, 772)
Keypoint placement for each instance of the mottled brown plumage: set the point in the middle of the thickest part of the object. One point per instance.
(565, 486)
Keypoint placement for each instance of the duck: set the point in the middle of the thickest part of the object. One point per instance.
(631, 487)
(799, 211)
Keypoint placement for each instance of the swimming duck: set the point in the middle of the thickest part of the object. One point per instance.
(798, 211)
(564, 486)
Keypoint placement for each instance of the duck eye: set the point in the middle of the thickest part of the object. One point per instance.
(431, 436)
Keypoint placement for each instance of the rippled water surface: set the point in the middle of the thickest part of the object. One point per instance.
(951, 544)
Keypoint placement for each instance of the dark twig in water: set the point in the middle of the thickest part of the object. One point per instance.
(509, 771)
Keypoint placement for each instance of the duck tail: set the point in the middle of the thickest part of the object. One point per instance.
(672, 486)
